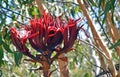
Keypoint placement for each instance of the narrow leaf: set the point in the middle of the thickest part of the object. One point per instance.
(17, 58)
(107, 8)
(1, 73)
(92, 2)
(86, 75)
(73, 12)
(1, 55)
(1, 39)
(100, 2)
(6, 47)
(115, 45)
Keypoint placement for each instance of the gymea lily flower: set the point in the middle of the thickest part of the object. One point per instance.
(19, 37)
(46, 34)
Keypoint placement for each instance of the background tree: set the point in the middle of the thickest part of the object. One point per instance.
(94, 56)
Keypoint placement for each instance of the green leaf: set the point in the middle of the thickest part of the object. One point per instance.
(33, 11)
(3, 20)
(75, 60)
(52, 0)
(13, 17)
(1, 41)
(53, 54)
(7, 47)
(1, 55)
(17, 58)
(5, 33)
(107, 8)
(77, 9)
(110, 5)
(112, 9)
(71, 65)
(32, 75)
(1, 73)
(36, 11)
(73, 12)
(115, 45)
(100, 2)
(86, 75)
(92, 2)
(114, 56)
(113, 4)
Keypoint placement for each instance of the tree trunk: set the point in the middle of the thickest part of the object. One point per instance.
(97, 38)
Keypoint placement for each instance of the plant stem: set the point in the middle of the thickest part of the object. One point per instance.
(63, 66)
(46, 67)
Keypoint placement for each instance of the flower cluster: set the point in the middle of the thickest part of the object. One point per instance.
(46, 34)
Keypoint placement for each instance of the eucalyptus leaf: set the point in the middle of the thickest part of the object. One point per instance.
(17, 58)
(1, 55)
(1, 73)
(107, 8)
(7, 47)
(115, 45)
(73, 12)
(77, 9)
(100, 3)
(92, 2)
(86, 75)
(1, 40)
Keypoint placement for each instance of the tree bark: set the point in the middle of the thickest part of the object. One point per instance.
(114, 35)
(40, 6)
(97, 38)
(113, 32)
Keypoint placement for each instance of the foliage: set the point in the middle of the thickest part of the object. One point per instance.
(83, 60)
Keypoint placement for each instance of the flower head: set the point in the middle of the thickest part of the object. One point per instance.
(19, 38)
(46, 34)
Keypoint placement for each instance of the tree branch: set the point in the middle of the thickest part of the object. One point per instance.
(99, 23)
(14, 12)
(40, 6)
(97, 38)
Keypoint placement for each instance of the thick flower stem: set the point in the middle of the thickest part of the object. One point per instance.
(45, 64)
(46, 67)
(63, 67)
(46, 70)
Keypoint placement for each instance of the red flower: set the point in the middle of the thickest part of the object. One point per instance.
(19, 38)
(46, 34)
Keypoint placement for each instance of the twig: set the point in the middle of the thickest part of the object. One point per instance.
(52, 71)
(100, 23)
(37, 69)
(31, 60)
(11, 18)
(104, 72)
(64, 2)
(14, 12)
(99, 50)
(90, 61)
